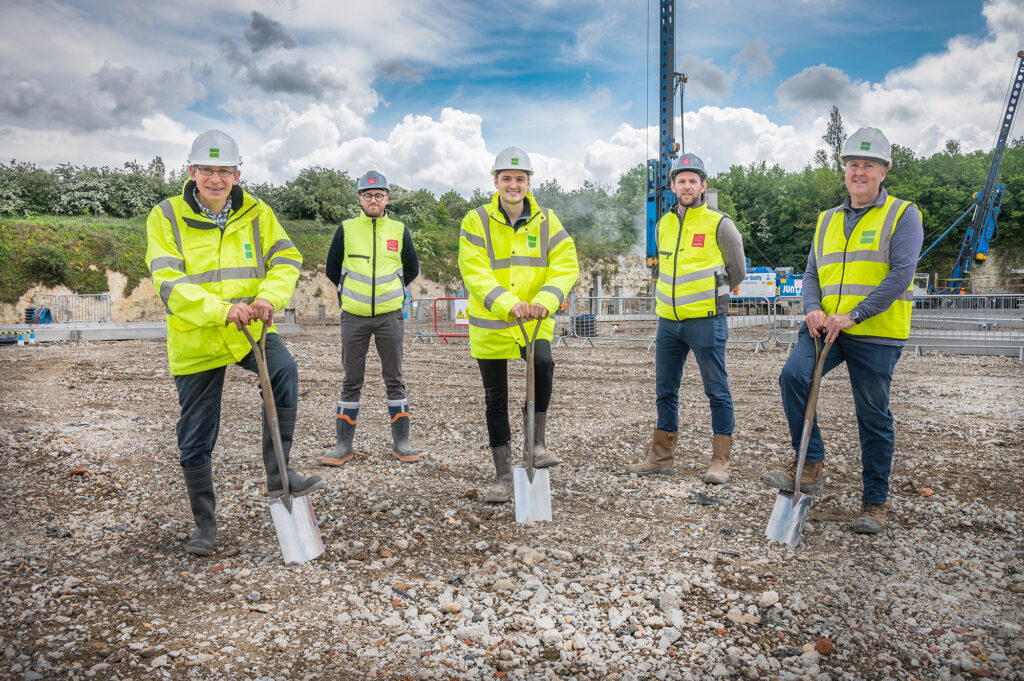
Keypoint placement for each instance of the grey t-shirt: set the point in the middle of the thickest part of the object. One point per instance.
(904, 250)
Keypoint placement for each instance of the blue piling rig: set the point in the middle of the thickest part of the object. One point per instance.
(659, 193)
(984, 227)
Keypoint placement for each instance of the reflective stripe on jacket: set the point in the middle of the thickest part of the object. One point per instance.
(691, 268)
(200, 271)
(371, 273)
(502, 266)
(850, 269)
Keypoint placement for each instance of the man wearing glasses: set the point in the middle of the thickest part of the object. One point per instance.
(371, 260)
(221, 261)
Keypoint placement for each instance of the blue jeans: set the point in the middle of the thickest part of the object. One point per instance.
(199, 398)
(706, 336)
(870, 368)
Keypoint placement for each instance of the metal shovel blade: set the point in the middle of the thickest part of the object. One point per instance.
(786, 523)
(533, 499)
(297, 531)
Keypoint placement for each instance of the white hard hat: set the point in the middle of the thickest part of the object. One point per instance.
(867, 143)
(214, 148)
(512, 158)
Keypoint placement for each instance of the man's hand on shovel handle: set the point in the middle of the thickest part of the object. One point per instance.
(240, 315)
(262, 310)
(528, 312)
(815, 322)
(835, 323)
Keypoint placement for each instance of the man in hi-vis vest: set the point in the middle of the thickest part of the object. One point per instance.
(518, 264)
(700, 259)
(371, 260)
(858, 292)
(221, 261)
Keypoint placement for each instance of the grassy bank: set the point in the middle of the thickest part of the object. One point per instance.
(76, 251)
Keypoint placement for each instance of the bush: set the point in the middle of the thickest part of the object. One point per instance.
(48, 265)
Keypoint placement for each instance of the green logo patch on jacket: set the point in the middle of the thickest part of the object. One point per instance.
(867, 237)
(531, 241)
(248, 251)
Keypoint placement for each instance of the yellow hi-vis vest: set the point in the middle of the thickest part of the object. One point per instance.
(200, 272)
(371, 273)
(691, 268)
(850, 269)
(502, 266)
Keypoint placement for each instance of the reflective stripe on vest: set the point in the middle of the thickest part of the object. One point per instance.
(216, 275)
(371, 272)
(850, 269)
(688, 272)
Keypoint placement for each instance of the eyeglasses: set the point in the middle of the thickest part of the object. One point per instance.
(224, 173)
(373, 197)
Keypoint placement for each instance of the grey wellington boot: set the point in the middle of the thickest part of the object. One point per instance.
(501, 492)
(298, 485)
(542, 458)
(199, 483)
(342, 452)
(401, 447)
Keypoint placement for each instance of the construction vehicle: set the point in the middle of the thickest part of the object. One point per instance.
(984, 208)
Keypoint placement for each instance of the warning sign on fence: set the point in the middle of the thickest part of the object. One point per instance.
(459, 309)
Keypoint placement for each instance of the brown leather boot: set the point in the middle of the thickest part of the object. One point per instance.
(659, 461)
(811, 481)
(871, 519)
(721, 452)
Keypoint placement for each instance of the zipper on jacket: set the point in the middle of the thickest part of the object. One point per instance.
(373, 272)
(675, 263)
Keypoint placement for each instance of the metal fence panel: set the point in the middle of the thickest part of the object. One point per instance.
(450, 318)
(616, 319)
(966, 321)
(751, 320)
(74, 307)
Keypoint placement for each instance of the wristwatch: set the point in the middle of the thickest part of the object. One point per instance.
(855, 316)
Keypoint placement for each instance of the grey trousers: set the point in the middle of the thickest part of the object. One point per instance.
(388, 331)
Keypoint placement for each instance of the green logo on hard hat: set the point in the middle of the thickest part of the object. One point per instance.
(865, 146)
(514, 161)
(214, 153)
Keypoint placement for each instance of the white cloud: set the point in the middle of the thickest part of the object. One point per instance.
(589, 39)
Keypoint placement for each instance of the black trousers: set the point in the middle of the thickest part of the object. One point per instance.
(495, 375)
(199, 397)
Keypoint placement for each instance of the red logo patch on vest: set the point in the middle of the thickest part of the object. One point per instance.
(698, 241)
(393, 245)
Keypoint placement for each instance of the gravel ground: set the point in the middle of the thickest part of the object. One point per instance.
(636, 578)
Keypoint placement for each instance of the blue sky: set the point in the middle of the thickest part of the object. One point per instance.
(428, 91)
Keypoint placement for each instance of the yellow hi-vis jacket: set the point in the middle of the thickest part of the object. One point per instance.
(691, 268)
(372, 268)
(502, 266)
(200, 272)
(850, 269)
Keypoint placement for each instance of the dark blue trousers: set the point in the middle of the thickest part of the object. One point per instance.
(706, 337)
(870, 366)
(199, 397)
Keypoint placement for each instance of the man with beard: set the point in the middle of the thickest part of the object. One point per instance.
(371, 260)
(700, 259)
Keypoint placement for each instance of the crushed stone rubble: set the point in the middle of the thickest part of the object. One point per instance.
(652, 578)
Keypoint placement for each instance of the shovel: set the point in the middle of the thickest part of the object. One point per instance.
(791, 508)
(532, 487)
(294, 520)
